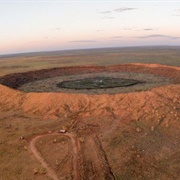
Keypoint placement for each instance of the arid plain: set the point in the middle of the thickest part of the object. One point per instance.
(125, 132)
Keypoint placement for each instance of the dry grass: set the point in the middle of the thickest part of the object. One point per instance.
(26, 62)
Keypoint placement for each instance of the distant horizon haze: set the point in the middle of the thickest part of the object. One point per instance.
(83, 50)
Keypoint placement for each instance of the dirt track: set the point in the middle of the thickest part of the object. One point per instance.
(75, 152)
(93, 153)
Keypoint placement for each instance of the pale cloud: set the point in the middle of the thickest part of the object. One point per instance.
(99, 30)
(118, 10)
(146, 29)
(177, 11)
(124, 9)
(149, 29)
(105, 12)
(158, 36)
(127, 29)
(82, 41)
(117, 37)
(55, 29)
(136, 29)
(108, 17)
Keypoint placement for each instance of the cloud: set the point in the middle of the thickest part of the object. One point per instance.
(177, 11)
(99, 30)
(105, 12)
(127, 29)
(82, 41)
(45, 37)
(135, 29)
(146, 29)
(108, 17)
(118, 10)
(149, 29)
(55, 29)
(116, 37)
(158, 36)
(124, 9)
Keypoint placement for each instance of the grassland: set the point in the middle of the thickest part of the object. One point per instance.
(34, 61)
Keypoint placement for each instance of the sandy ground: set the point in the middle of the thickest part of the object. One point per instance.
(124, 136)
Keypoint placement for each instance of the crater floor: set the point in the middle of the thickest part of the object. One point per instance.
(97, 83)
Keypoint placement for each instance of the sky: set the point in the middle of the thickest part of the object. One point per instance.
(41, 25)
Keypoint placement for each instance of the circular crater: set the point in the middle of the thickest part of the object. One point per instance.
(123, 78)
(98, 83)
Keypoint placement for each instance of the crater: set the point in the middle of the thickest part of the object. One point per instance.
(98, 83)
(123, 78)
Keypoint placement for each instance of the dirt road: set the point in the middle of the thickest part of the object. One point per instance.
(75, 152)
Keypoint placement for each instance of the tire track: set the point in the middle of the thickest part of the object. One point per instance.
(75, 152)
(96, 165)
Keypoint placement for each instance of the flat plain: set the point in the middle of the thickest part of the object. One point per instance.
(127, 134)
(100, 57)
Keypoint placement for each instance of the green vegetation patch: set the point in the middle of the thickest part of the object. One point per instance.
(98, 83)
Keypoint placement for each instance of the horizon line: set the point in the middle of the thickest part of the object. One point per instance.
(62, 50)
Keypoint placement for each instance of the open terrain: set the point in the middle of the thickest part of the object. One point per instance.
(166, 55)
(128, 134)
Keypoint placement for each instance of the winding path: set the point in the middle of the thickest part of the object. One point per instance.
(75, 148)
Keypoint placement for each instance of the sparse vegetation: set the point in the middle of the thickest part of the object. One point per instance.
(34, 61)
(123, 136)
